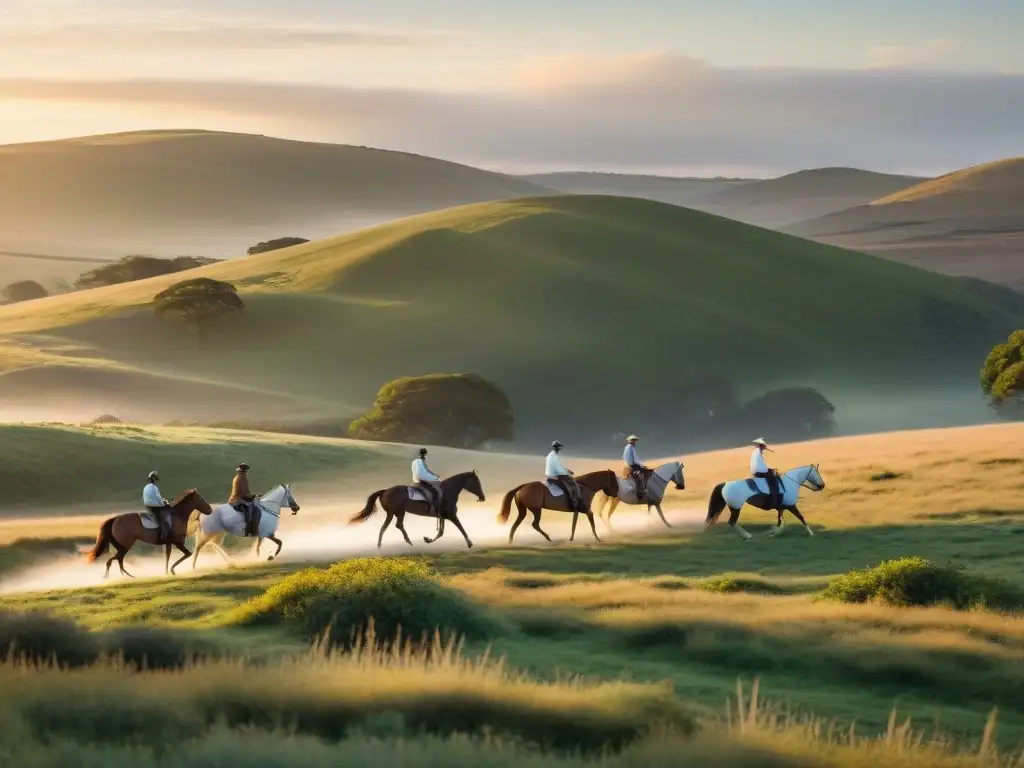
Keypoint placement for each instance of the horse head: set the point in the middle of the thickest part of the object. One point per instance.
(466, 481)
(282, 497)
(605, 480)
(191, 501)
(814, 480)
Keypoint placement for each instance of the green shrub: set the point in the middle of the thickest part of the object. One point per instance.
(914, 581)
(391, 594)
(41, 637)
(157, 647)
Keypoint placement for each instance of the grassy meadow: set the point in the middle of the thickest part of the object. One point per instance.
(626, 652)
(517, 268)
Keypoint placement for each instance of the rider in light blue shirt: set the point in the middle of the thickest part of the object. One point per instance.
(158, 505)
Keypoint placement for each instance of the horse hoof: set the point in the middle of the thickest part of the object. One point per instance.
(269, 558)
(428, 541)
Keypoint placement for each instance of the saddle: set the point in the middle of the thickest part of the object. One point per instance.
(419, 493)
(251, 512)
(641, 478)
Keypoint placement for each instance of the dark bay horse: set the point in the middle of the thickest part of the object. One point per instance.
(124, 530)
(535, 496)
(397, 504)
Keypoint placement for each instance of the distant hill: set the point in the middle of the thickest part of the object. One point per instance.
(215, 194)
(588, 311)
(668, 189)
(970, 222)
(802, 195)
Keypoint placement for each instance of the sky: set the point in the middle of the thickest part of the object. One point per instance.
(701, 87)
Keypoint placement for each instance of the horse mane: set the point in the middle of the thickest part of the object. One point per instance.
(182, 496)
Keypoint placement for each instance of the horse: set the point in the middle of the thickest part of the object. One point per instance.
(656, 485)
(226, 519)
(755, 492)
(122, 531)
(538, 496)
(400, 500)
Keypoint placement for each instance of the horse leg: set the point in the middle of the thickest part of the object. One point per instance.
(387, 522)
(167, 557)
(186, 553)
(200, 542)
(593, 527)
(440, 531)
(778, 525)
(400, 525)
(457, 524)
(612, 505)
(572, 533)
(536, 523)
(215, 543)
(798, 516)
(661, 514)
(121, 552)
(734, 516)
(519, 519)
(279, 545)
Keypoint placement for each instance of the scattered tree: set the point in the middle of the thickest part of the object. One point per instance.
(273, 245)
(24, 290)
(461, 410)
(135, 267)
(1002, 375)
(792, 413)
(201, 301)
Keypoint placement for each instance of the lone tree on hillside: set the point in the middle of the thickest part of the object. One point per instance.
(791, 413)
(1002, 375)
(135, 267)
(201, 301)
(24, 290)
(273, 245)
(461, 410)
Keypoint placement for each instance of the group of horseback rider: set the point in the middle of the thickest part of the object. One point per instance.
(241, 498)
(557, 473)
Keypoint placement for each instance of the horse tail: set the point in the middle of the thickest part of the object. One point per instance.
(103, 539)
(506, 504)
(716, 505)
(369, 509)
(192, 527)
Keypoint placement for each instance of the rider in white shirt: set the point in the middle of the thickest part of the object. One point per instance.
(428, 481)
(759, 468)
(157, 505)
(637, 470)
(556, 472)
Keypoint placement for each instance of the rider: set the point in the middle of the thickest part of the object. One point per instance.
(759, 468)
(157, 506)
(427, 481)
(636, 470)
(242, 499)
(556, 472)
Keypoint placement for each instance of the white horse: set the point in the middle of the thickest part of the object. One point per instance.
(225, 519)
(755, 492)
(656, 485)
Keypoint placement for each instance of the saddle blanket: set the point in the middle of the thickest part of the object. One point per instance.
(417, 494)
(148, 520)
(553, 488)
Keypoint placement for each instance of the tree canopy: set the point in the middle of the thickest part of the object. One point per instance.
(201, 301)
(461, 410)
(136, 267)
(791, 413)
(1002, 375)
(273, 245)
(24, 290)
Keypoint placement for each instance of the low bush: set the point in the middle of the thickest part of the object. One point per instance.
(394, 595)
(39, 637)
(914, 581)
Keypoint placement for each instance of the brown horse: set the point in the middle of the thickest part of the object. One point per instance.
(397, 505)
(124, 530)
(535, 497)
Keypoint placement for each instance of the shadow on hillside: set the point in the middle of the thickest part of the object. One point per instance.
(984, 545)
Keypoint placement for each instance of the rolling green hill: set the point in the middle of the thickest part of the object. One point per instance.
(803, 195)
(667, 189)
(587, 310)
(969, 222)
(211, 193)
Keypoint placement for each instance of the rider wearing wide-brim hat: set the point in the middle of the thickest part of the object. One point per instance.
(759, 468)
(157, 505)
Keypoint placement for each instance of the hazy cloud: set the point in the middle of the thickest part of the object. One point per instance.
(168, 36)
(646, 111)
(913, 54)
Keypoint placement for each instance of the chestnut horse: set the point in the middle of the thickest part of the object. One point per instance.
(535, 497)
(397, 505)
(124, 530)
